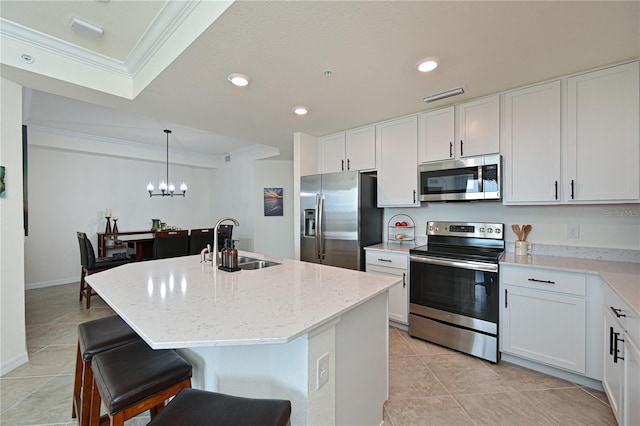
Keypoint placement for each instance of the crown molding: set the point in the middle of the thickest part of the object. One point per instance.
(30, 37)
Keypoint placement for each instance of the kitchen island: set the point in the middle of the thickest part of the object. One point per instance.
(314, 334)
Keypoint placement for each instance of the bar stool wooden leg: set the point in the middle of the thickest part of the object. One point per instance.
(75, 409)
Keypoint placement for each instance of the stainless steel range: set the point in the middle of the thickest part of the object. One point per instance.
(454, 287)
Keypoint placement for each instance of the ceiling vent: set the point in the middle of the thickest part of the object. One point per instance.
(443, 95)
(86, 29)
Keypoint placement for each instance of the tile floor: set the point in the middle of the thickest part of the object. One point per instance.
(428, 384)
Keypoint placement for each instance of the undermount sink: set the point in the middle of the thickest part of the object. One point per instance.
(247, 259)
(256, 264)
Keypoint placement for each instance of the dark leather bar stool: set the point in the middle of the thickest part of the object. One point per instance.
(94, 337)
(196, 407)
(134, 378)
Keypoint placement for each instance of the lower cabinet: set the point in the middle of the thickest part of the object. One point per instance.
(544, 316)
(621, 379)
(395, 264)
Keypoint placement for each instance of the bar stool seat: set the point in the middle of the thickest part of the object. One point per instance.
(94, 337)
(196, 407)
(134, 378)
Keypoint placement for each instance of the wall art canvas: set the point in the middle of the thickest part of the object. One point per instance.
(3, 188)
(273, 202)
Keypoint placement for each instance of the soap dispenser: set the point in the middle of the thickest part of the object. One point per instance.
(224, 255)
(233, 255)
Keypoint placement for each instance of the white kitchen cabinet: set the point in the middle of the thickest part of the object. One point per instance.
(394, 264)
(531, 150)
(603, 149)
(544, 316)
(613, 367)
(479, 127)
(351, 150)
(621, 379)
(631, 389)
(436, 135)
(397, 147)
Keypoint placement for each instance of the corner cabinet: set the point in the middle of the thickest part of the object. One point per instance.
(397, 147)
(396, 264)
(544, 316)
(532, 145)
(603, 148)
(351, 150)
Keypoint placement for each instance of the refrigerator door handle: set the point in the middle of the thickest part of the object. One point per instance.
(318, 220)
(320, 227)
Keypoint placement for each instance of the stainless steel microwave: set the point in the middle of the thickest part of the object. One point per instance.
(467, 179)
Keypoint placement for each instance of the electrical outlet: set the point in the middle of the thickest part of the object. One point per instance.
(573, 231)
(322, 370)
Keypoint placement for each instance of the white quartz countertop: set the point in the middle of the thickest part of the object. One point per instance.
(622, 277)
(393, 247)
(182, 303)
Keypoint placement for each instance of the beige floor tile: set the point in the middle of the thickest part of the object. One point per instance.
(442, 410)
(410, 378)
(398, 345)
(47, 334)
(520, 378)
(50, 361)
(13, 391)
(464, 374)
(572, 407)
(504, 408)
(596, 394)
(50, 404)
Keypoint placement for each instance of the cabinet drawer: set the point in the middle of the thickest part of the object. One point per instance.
(628, 318)
(542, 279)
(387, 259)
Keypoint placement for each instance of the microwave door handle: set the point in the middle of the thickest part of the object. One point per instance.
(480, 180)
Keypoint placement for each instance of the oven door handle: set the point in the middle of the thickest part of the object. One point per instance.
(466, 264)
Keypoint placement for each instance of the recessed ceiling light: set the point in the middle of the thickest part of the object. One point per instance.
(300, 110)
(239, 80)
(427, 64)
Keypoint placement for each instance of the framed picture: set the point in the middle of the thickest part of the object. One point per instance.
(3, 188)
(273, 202)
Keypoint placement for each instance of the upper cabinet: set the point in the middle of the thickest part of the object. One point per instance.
(479, 127)
(531, 147)
(478, 131)
(436, 135)
(397, 162)
(351, 150)
(603, 145)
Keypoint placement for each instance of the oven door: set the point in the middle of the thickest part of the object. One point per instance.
(463, 293)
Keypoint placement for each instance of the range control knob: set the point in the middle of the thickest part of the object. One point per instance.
(490, 230)
(481, 229)
(498, 230)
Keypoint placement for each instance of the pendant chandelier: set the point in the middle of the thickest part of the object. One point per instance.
(167, 189)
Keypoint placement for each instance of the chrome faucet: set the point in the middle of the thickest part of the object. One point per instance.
(216, 253)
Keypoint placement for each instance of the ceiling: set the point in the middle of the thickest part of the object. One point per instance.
(285, 47)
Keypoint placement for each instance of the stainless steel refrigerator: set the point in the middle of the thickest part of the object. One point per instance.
(339, 218)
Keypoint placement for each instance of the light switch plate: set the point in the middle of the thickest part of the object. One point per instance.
(322, 370)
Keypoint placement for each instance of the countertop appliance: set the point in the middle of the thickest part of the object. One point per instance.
(467, 179)
(454, 285)
(339, 218)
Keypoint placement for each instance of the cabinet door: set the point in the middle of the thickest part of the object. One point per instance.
(360, 148)
(613, 371)
(603, 153)
(631, 391)
(545, 327)
(436, 133)
(398, 295)
(397, 163)
(532, 144)
(479, 127)
(331, 153)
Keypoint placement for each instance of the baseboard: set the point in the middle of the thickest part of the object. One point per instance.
(555, 372)
(53, 283)
(14, 363)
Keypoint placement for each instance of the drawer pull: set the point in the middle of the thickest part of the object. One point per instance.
(617, 312)
(384, 260)
(542, 281)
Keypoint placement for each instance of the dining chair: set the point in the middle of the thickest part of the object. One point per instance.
(91, 264)
(171, 244)
(199, 238)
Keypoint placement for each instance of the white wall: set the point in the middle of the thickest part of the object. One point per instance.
(604, 226)
(69, 191)
(13, 346)
(273, 235)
